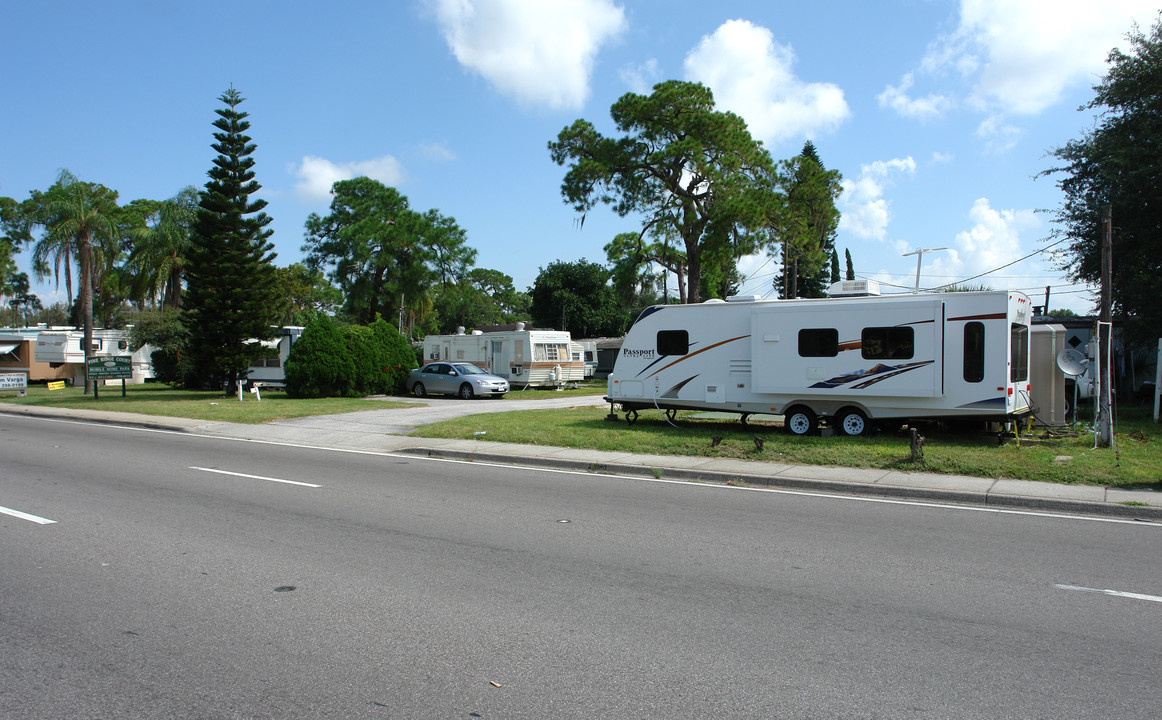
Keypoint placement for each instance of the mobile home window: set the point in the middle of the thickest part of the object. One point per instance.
(1019, 361)
(818, 342)
(974, 352)
(673, 342)
(888, 343)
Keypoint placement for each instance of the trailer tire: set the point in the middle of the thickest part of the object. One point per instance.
(852, 422)
(419, 390)
(466, 392)
(800, 421)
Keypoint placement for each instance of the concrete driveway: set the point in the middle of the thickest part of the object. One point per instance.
(400, 421)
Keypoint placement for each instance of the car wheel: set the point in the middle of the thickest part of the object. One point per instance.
(851, 421)
(800, 421)
(419, 390)
(466, 392)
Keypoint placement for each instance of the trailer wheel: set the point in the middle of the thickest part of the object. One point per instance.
(466, 392)
(419, 390)
(851, 421)
(800, 421)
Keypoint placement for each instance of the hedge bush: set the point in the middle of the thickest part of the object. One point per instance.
(319, 364)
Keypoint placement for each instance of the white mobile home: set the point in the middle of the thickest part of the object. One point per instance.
(840, 360)
(63, 348)
(268, 369)
(524, 357)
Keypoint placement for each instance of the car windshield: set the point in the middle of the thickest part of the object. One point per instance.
(468, 369)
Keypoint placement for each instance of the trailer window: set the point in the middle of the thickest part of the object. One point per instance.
(818, 342)
(1019, 361)
(673, 342)
(974, 352)
(887, 343)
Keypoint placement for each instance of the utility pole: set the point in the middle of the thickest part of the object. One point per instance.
(1046, 311)
(1104, 330)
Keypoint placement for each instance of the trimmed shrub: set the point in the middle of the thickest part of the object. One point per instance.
(398, 360)
(320, 364)
(366, 353)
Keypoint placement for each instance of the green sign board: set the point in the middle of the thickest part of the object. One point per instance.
(118, 367)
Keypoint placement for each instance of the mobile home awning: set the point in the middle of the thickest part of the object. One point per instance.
(8, 348)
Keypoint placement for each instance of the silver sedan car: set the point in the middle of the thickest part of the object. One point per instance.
(455, 378)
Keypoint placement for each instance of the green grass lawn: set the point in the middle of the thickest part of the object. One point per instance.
(1058, 457)
(154, 399)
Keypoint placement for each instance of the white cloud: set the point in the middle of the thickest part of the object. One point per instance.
(925, 108)
(751, 75)
(437, 152)
(317, 175)
(993, 240)
(864, 211)
(1022, 56)
(536, 51)
(641, 78)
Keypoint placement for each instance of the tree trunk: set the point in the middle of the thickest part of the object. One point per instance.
(86, 304)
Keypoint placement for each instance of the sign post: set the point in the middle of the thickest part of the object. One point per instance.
(111, 367)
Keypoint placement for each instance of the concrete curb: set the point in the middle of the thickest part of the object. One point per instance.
(888, 485)
(990, 500)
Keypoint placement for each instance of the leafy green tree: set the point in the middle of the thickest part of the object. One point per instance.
(76, 216)
(1118, 163)
(15, 231)
(164, 332)
(481, 296)
(301, 292)
(850, 273)
(577, 297)
(228, 270)
(834, 265)
(806, 231)
(695, 175)
(319, 364)
(634, 284)
(382, 255)
(20, 297)
(160, 246)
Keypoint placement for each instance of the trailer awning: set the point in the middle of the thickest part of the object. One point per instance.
(8, 348)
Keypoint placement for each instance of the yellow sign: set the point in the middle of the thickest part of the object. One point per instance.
(58, 385)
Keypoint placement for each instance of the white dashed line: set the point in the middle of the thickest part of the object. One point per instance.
(256, 477)
(26, 516)
(1115, 593)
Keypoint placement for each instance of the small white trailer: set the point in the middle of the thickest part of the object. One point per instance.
(844, 361)
(524, 357)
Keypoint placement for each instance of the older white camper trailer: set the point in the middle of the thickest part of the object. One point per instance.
(524, 357)
(845, 361)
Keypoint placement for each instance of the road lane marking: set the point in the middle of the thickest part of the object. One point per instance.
(701, 486)
(1114, 593)
(26, 516)
(257, 477)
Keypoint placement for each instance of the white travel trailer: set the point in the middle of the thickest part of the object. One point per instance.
(845, 361)
(536, 358)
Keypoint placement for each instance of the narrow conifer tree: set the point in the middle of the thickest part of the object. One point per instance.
(229, 273)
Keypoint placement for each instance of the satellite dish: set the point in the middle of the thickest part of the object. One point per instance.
(1071, 362)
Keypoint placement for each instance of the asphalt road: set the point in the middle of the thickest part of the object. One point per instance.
(395, 587)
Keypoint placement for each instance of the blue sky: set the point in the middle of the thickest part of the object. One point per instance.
(938, 113)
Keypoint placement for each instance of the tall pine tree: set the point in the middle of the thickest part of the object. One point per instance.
(809, 227)
(229, 275)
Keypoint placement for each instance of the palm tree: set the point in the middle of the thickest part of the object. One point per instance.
(81, 213)
(159, 251)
